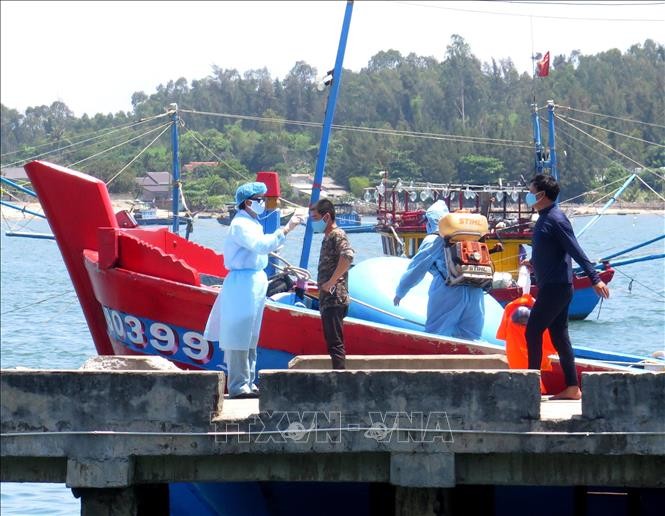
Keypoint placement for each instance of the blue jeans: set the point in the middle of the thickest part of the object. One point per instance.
(241, 367)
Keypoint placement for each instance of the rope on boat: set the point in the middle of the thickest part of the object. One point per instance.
(213, 153)
(591, 149)
(137, 156)
(610, 116)
(71, 145)
(36, 302)
(373, 130)
(645, 168)
(397, 238)
(299, 272)
(558, 117)
(166, 125)
(27, 221)
(221, 160)
(633, 280)
(641, 364)
(614, 132)
(601, 187)
(650, 188)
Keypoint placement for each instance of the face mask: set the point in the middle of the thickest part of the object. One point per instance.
(530, 199)
(319, 226)
(258, 207)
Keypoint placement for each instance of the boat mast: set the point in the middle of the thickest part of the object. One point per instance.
(545, 159)
(325, 134)
(551, 138)
(175, 120)
(540, 151)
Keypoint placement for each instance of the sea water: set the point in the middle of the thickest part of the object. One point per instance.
(42, 325)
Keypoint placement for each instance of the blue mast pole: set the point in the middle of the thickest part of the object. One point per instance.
(173, 110)
(628, 261)
(17, 186)
(619, 253)
(538, 159)
(325, 134)
(18, 208)
(551, 139)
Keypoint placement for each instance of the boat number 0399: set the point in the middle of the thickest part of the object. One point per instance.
(161, 337)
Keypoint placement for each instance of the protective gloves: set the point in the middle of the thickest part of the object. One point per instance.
(292, 224)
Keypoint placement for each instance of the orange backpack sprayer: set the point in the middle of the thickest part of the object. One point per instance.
(467, 259)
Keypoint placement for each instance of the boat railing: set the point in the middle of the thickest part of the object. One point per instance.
(404, 207)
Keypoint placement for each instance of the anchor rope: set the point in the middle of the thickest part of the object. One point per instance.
(28, 218)
(633, 280)
(37, 302)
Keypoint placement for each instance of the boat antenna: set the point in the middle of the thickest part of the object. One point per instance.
(335, 81)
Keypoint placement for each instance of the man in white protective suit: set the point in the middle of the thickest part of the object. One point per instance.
(235, 318)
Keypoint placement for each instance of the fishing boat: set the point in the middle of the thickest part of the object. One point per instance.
(230, 210)
(346, 216)
(401, 222)
(145, 214)
(401, 227)
(149, 292)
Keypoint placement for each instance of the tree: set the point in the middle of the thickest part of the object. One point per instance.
(357, 185)
(476, 169)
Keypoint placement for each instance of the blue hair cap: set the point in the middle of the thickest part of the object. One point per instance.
(248, 190)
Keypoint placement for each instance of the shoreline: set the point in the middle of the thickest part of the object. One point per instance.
(119, 204)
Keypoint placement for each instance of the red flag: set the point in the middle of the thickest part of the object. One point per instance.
(543, 66)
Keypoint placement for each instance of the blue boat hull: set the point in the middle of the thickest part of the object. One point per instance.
(373, 283)
(583, 303)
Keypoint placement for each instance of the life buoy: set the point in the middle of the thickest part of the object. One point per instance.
(513, 331)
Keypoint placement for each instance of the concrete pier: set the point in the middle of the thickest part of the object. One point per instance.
(117, 436)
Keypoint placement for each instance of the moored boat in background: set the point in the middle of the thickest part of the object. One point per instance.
(146, 214)
(230, 210)
(401, 226)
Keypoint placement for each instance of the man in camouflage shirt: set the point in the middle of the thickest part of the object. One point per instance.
(334, 262)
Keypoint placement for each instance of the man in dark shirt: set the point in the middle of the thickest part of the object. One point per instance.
(334, 262)
(553, 245)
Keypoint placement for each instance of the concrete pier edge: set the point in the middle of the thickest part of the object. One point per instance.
(107, 432)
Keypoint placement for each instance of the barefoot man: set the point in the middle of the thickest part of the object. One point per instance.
(553, 245)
